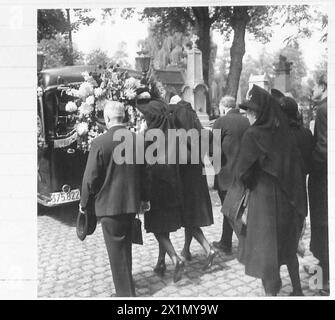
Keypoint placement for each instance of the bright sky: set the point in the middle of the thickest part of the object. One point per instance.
(108, 35)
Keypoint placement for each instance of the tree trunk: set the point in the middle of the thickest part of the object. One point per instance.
(70, 37)
(239, 22)
(202, 26)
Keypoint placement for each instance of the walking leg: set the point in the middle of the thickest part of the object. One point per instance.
(160, 267)
(200, 237)
(225, 242)
(293, 270)
(186, 250)
(272, 286)
(117, 235)
(164, 240)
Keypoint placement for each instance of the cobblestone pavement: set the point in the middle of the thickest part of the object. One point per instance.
(71, 268)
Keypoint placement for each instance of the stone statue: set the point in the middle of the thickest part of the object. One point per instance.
(176, 55)
(194, 39)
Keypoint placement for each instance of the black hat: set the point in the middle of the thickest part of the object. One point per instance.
(257, 99)
(277, 93)
(86, 223)
(289, 106)
(248, 104)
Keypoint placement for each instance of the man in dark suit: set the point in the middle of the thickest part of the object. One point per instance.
(232, 126)
(117, 184)
(318, 184)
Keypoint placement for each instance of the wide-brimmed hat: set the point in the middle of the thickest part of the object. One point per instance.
(249, 105)
(277, 93)
(86, 222)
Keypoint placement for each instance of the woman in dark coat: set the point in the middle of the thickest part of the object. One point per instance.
(303, 137)
(270, 166)
(197, 207)
(166, 191)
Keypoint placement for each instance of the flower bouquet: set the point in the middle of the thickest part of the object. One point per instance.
(91, 97)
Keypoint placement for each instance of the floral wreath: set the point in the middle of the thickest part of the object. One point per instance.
(91, 97)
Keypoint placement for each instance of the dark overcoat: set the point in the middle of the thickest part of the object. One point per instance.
(318, 187)
(232, 126)
(197, 206)
(166, 200)
(116, 188)
(270, 166)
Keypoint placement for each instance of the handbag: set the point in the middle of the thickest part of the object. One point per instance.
(136, 231)
(241, 216)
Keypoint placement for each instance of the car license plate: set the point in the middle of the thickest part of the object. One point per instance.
(64, 197)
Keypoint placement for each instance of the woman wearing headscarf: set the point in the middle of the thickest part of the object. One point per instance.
(164, 215)
(304, 139)
(303, 136)
(269, 165)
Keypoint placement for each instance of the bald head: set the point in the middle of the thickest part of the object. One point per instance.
(113, 112)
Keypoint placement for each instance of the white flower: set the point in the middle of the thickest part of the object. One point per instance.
(85, 109)
(85, 90)
(82, 128)
(100, 105)
(86, 75)
(73, 92)
(90, 100)
(142, 126)
(71, 107)
(115, 77)
(98, 92)
(132, 83)
(130, 93)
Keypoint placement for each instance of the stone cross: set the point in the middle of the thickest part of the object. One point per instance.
(194, 39)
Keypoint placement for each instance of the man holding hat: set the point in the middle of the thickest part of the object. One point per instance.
(117, 188)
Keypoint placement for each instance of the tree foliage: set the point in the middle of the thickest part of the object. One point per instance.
(57, 52)
(201, 20)
(55, 24)
(98, 57)
(50, 23)
(166, 50)
(303, 17)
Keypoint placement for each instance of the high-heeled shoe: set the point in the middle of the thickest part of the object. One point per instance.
(209, 260)
(178, 271)
(186, 254)
(160, 268)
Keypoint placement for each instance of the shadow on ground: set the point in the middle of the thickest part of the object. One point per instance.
(66, 214)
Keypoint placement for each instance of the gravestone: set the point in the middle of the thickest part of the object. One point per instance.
(282, 80)
(261, 80)
(194, 90)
